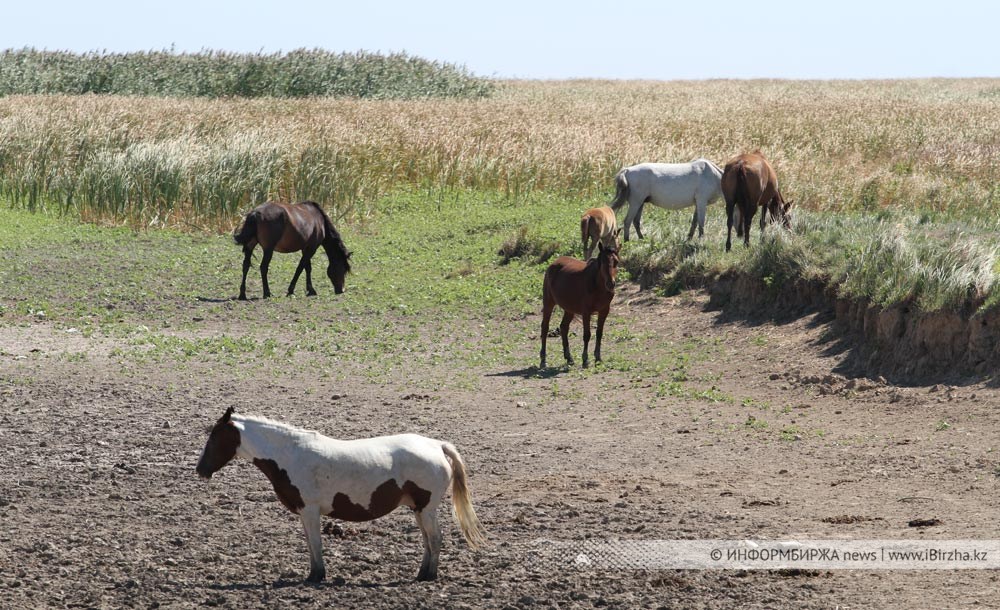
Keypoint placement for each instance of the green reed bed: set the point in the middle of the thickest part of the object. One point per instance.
(300, 73)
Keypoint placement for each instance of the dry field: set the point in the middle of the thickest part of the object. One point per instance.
(930, 145)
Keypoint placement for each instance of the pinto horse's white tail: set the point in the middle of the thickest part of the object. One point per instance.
(462, 502)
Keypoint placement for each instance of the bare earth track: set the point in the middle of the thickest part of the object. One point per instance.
(100, 505)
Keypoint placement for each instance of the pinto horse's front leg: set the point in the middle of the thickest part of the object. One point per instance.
(311, 524)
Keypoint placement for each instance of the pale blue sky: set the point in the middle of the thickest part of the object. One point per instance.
(559, 39)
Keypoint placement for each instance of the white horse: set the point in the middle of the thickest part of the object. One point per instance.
(355, 480)
(668, 185)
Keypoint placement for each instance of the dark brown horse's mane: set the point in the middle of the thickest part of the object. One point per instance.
(333, 241)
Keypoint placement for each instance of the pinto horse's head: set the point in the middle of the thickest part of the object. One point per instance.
(607, 260)
(221, 447)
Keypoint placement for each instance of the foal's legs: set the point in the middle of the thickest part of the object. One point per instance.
(310, 523)
(586, 337)
(564, 333)
(601, 317)
(304, 263)
(265, 262)
(546, 315)
(428, 522)
(247, 252)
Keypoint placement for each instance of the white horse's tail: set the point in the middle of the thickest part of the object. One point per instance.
(621, 191)
(461, 500)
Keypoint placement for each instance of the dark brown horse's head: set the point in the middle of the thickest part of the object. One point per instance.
(221, 447)
(340, 264)
(607, 266)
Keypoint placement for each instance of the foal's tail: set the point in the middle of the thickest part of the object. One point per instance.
(621, 191)
(246, 231)
(460, 498)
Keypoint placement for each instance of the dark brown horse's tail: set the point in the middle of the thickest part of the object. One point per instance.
(621, 191)
(742, 193)
(332, 236)
(246, 231)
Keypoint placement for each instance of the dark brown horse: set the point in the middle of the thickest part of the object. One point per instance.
(580, 288)
(749, 182)
(286, 227)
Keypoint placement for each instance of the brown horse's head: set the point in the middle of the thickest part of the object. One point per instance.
(779, 210)
(340, 264)
(607, 266)
(221, 446)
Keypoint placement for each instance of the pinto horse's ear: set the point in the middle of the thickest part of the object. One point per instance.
(227, 415)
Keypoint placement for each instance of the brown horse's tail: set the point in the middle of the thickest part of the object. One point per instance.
(461, 499)
(621, 191)
(246, 231)
(742, 190)
(585, 229)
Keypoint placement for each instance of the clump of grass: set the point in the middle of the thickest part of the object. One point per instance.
(522, 245)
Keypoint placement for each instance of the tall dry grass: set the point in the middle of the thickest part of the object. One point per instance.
(929, 144)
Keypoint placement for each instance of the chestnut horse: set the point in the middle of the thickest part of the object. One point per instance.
(357, 480)
(580, 288)
(285, 227)
(749, 182)
(598, 225)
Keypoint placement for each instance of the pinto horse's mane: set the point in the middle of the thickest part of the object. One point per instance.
(270, 423)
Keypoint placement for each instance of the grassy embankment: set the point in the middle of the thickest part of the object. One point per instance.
(895, 183)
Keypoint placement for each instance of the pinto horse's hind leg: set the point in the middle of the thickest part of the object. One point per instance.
(265, 262)
(428, 522)
(564, 333)
(247, 253)
(310, 523)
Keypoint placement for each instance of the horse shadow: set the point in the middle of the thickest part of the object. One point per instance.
(533, 372)
(284, 583)
(219, 300)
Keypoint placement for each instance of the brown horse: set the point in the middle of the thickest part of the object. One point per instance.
(749, 182)
(580, 288)
(285, 227)
(598, 225)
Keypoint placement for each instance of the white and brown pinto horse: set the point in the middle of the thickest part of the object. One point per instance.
(356, 480)
(671, 186)
(286, 227)
(749, 182)
(598, 225)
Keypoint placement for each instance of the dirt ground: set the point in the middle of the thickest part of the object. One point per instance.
(100, 505)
